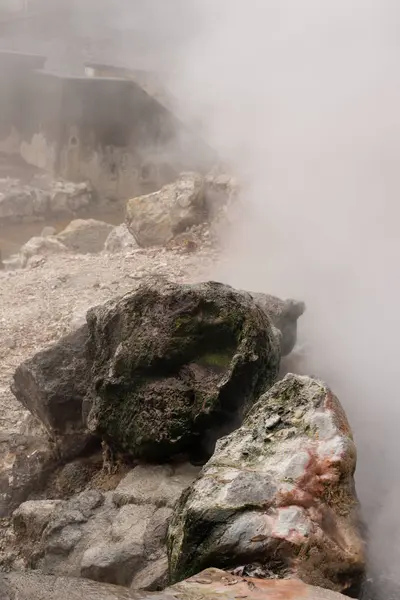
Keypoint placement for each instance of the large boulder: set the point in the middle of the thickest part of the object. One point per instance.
(211, 583)
(278, 495)
(52, 385)
(156, 218)
(284, 315)
(85, 236)
(172, 364)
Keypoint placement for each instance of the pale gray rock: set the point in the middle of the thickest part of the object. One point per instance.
(156, 218)
(278, 492)
(120, 240)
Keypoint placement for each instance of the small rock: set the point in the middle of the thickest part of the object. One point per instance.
(32, 517)
(40, 246)
(120, 240)
(85, 236)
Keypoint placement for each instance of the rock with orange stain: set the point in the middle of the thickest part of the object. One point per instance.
(213, 583)
(278, 495)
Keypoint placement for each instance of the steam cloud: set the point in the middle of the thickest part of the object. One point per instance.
(302, 98)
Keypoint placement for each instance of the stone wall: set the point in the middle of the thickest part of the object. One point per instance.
(107, 130)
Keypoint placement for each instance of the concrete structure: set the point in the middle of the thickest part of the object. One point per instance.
(107, 130)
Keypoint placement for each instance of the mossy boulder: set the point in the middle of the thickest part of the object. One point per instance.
(173, 364)
(277, 497)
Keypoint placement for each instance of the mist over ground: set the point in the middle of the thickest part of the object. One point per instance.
(302, 99)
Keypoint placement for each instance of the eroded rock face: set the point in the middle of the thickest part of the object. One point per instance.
(156, 218)
(211, 583)
(278, 494)
(284, 314)
(174, 363)
(52, 385)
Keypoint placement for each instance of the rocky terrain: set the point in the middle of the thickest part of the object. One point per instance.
(149, 433)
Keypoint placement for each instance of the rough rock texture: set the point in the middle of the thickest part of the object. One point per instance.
(173, 364)
(25, 464)
(120, 240)
(277, 493)
(52, 385)
(284, 315)
(210, 584)
(85, 236)
(156, 218)
(115, 537)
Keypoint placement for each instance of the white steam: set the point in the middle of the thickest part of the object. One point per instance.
(302, 97)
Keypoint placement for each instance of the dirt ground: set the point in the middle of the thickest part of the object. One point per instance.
(40, 304)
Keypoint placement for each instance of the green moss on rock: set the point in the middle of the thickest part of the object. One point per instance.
(172, 362)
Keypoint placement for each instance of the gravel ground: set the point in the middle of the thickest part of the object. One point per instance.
(40, 304)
